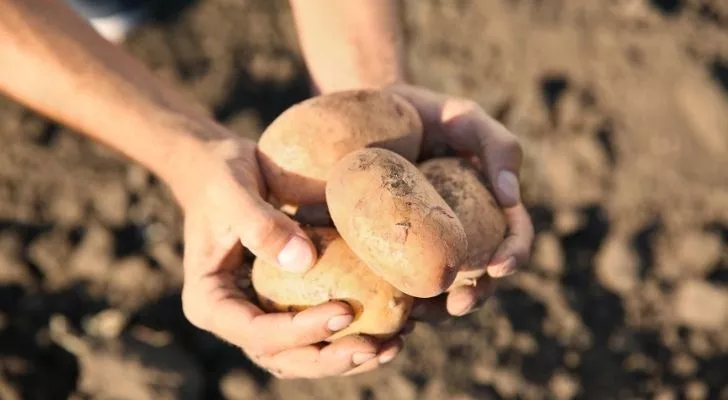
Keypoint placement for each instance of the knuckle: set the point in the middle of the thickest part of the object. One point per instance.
(513, 146)
(262, 346)
(261, 233)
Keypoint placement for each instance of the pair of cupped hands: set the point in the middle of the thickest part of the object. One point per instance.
(226, 211)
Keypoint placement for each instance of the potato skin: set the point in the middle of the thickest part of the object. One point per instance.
(298, 150)
(380, 309)
(465, 190)
(395, 221)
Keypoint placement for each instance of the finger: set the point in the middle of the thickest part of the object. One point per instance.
(467, 299)
(459, 301)
(212, 302)
(317, 361)
(221, 309)
(266, 334)
(272, 236)
(515, 250)
(468, 128)
(388, 351)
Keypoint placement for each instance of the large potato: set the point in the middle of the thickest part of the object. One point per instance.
(380, 310)
(464, 189)
(395, 221)
(297, 151)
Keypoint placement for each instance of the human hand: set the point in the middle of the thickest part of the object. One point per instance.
(463, 126)
(223, 201)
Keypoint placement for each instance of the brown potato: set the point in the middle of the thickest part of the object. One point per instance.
(297, 151)
(465, 190)
(380, 310)
(395, 221)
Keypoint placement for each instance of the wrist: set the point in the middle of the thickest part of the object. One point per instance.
(193, 155)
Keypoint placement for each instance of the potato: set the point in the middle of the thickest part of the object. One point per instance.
(394, 220)
(297, 151)
(465, 190)
(380, 310)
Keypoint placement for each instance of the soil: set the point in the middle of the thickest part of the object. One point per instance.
(622, 106)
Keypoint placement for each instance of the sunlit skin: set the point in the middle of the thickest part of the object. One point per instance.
(52, 61)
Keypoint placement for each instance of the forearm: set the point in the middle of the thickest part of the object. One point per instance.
(350, 44)
(54, 62)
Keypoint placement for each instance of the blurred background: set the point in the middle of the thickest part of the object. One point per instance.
(623, 108)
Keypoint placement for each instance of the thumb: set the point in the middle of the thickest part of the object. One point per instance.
(274, 237)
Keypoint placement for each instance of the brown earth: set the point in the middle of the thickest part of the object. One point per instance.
(622, 105)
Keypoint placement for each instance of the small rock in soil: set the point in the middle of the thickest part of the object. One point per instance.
(482, 373)
(7, 391)
(525, 343)
(165, 254)
(129, 369)
(684, 365)
(67, 208)
(699, 344)
(568, 221)
(132, 282)
(507, 383)
(564, 386)
(12, 269)
(696, 390)
(666, 394)
(91, 258)
(111, 202)
(238, 385)
(436, 389)
(396, 387)
(701, 305)
(50, 252)
(137, 178)
(107, 324)
(617, 265)
(548, 254)
(699, 252)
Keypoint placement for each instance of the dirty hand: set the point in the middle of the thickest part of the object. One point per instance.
(463, 126)
(222, 198)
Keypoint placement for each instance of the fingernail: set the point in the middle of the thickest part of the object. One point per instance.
(296, 255)
(506, 268)
(361, 358)
(508, 184)
(339, 322)
(387, 357)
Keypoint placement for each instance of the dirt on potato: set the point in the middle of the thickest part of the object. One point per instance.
(622, 106)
